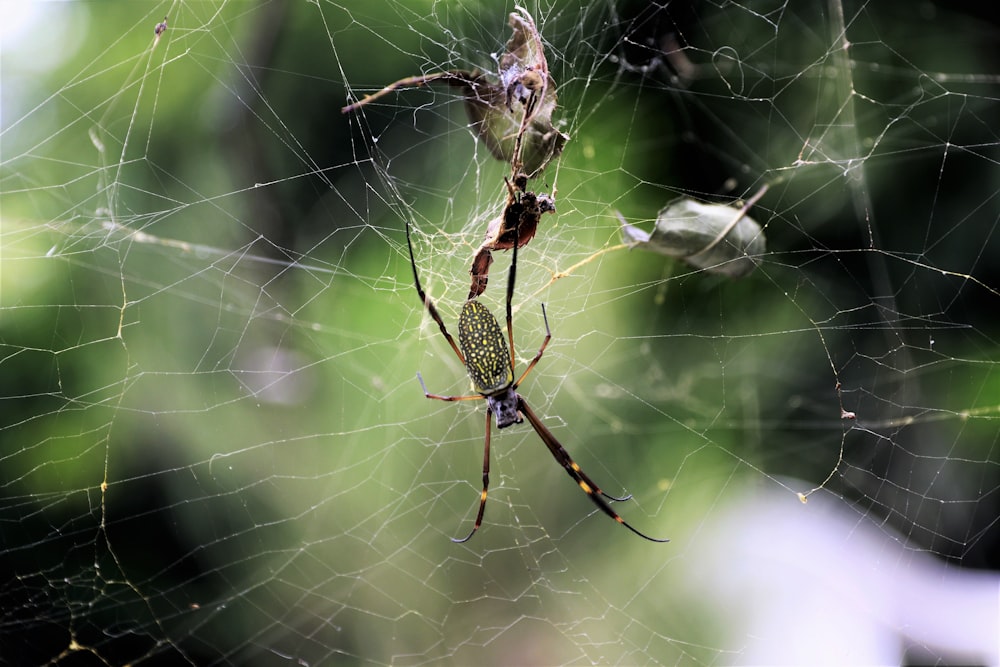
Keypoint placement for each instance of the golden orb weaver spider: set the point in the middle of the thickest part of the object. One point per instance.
(490, 364)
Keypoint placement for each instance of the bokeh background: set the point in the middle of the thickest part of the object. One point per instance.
(215, 449)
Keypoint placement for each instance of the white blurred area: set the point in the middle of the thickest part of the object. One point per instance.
(817, 583)
(41, 35)
(35, 38)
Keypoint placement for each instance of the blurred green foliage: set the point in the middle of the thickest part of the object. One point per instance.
(214, 442)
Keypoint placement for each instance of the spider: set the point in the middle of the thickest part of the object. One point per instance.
(490, 362)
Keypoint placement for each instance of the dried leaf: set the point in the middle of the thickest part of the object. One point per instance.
(525, 79)
(717, 238)
(513, 117)
(480, 271)
(519, 221)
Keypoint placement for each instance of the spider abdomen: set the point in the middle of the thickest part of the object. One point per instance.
(487, 357)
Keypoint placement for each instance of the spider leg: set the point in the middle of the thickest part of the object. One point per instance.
(511, 278)
(471, 397)
(531, 364)
(486, 484)
(429, 304)
(526, 117)
(562, 456)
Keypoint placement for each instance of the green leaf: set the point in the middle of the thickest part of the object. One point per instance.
(717, 238)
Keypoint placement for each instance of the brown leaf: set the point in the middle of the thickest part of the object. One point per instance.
(513, 117)
(518, 223)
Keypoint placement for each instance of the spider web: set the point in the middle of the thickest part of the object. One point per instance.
(215, 449)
